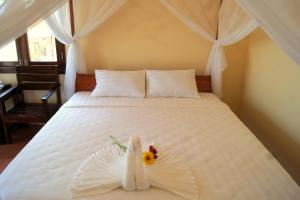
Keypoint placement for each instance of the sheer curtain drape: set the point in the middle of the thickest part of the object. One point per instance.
(92, 14)
(280, 19)
(17, 16)
(234, 25)
(200, 16)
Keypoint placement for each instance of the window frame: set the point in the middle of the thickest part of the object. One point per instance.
(10, 67)
(24, 57)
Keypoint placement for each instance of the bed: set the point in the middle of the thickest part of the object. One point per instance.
(227, 159)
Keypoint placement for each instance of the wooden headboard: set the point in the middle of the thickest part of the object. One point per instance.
(87, 82)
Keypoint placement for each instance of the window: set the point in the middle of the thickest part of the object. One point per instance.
(9, 53)
(38, 47)
(41, 44)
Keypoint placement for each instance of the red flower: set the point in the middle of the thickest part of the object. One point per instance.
(153, 150)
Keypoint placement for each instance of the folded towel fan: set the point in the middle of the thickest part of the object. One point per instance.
(105, 171)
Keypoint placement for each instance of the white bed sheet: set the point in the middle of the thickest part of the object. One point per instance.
(227, 159)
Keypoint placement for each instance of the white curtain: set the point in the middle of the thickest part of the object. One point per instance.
(200, 16)
(92, 14)
(234, 25)
(16, 16)
(280, 19)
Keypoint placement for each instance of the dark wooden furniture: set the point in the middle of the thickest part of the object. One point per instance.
(30, 78)
(87, 82)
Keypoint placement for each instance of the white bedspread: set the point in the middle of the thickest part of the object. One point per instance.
(227, 159)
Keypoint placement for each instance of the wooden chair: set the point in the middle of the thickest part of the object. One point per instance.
(30, 78)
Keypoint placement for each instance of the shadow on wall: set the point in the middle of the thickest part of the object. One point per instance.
(274, 138)
(234, 75)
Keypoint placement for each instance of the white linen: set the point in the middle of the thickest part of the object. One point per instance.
(119, 83)
(141, 180)
(226, 158)
(171, 83)
(280, 20)
(84, 99)
(99, 174)
(134, 177)
(96, 13)
(103, 172)
(234, 25)
(128, 182)
(171, 173)
(17, 16)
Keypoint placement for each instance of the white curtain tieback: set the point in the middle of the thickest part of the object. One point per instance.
(217, 43)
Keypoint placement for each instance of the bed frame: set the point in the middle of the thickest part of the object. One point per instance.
(87, 82)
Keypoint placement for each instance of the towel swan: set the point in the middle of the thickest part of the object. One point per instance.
(134, 177)
(112, 168)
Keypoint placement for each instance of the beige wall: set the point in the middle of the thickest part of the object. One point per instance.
(234, 74)
(144, 34)
(270, 104)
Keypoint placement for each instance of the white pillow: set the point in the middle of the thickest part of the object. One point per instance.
(171, 83)
(119, 83)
